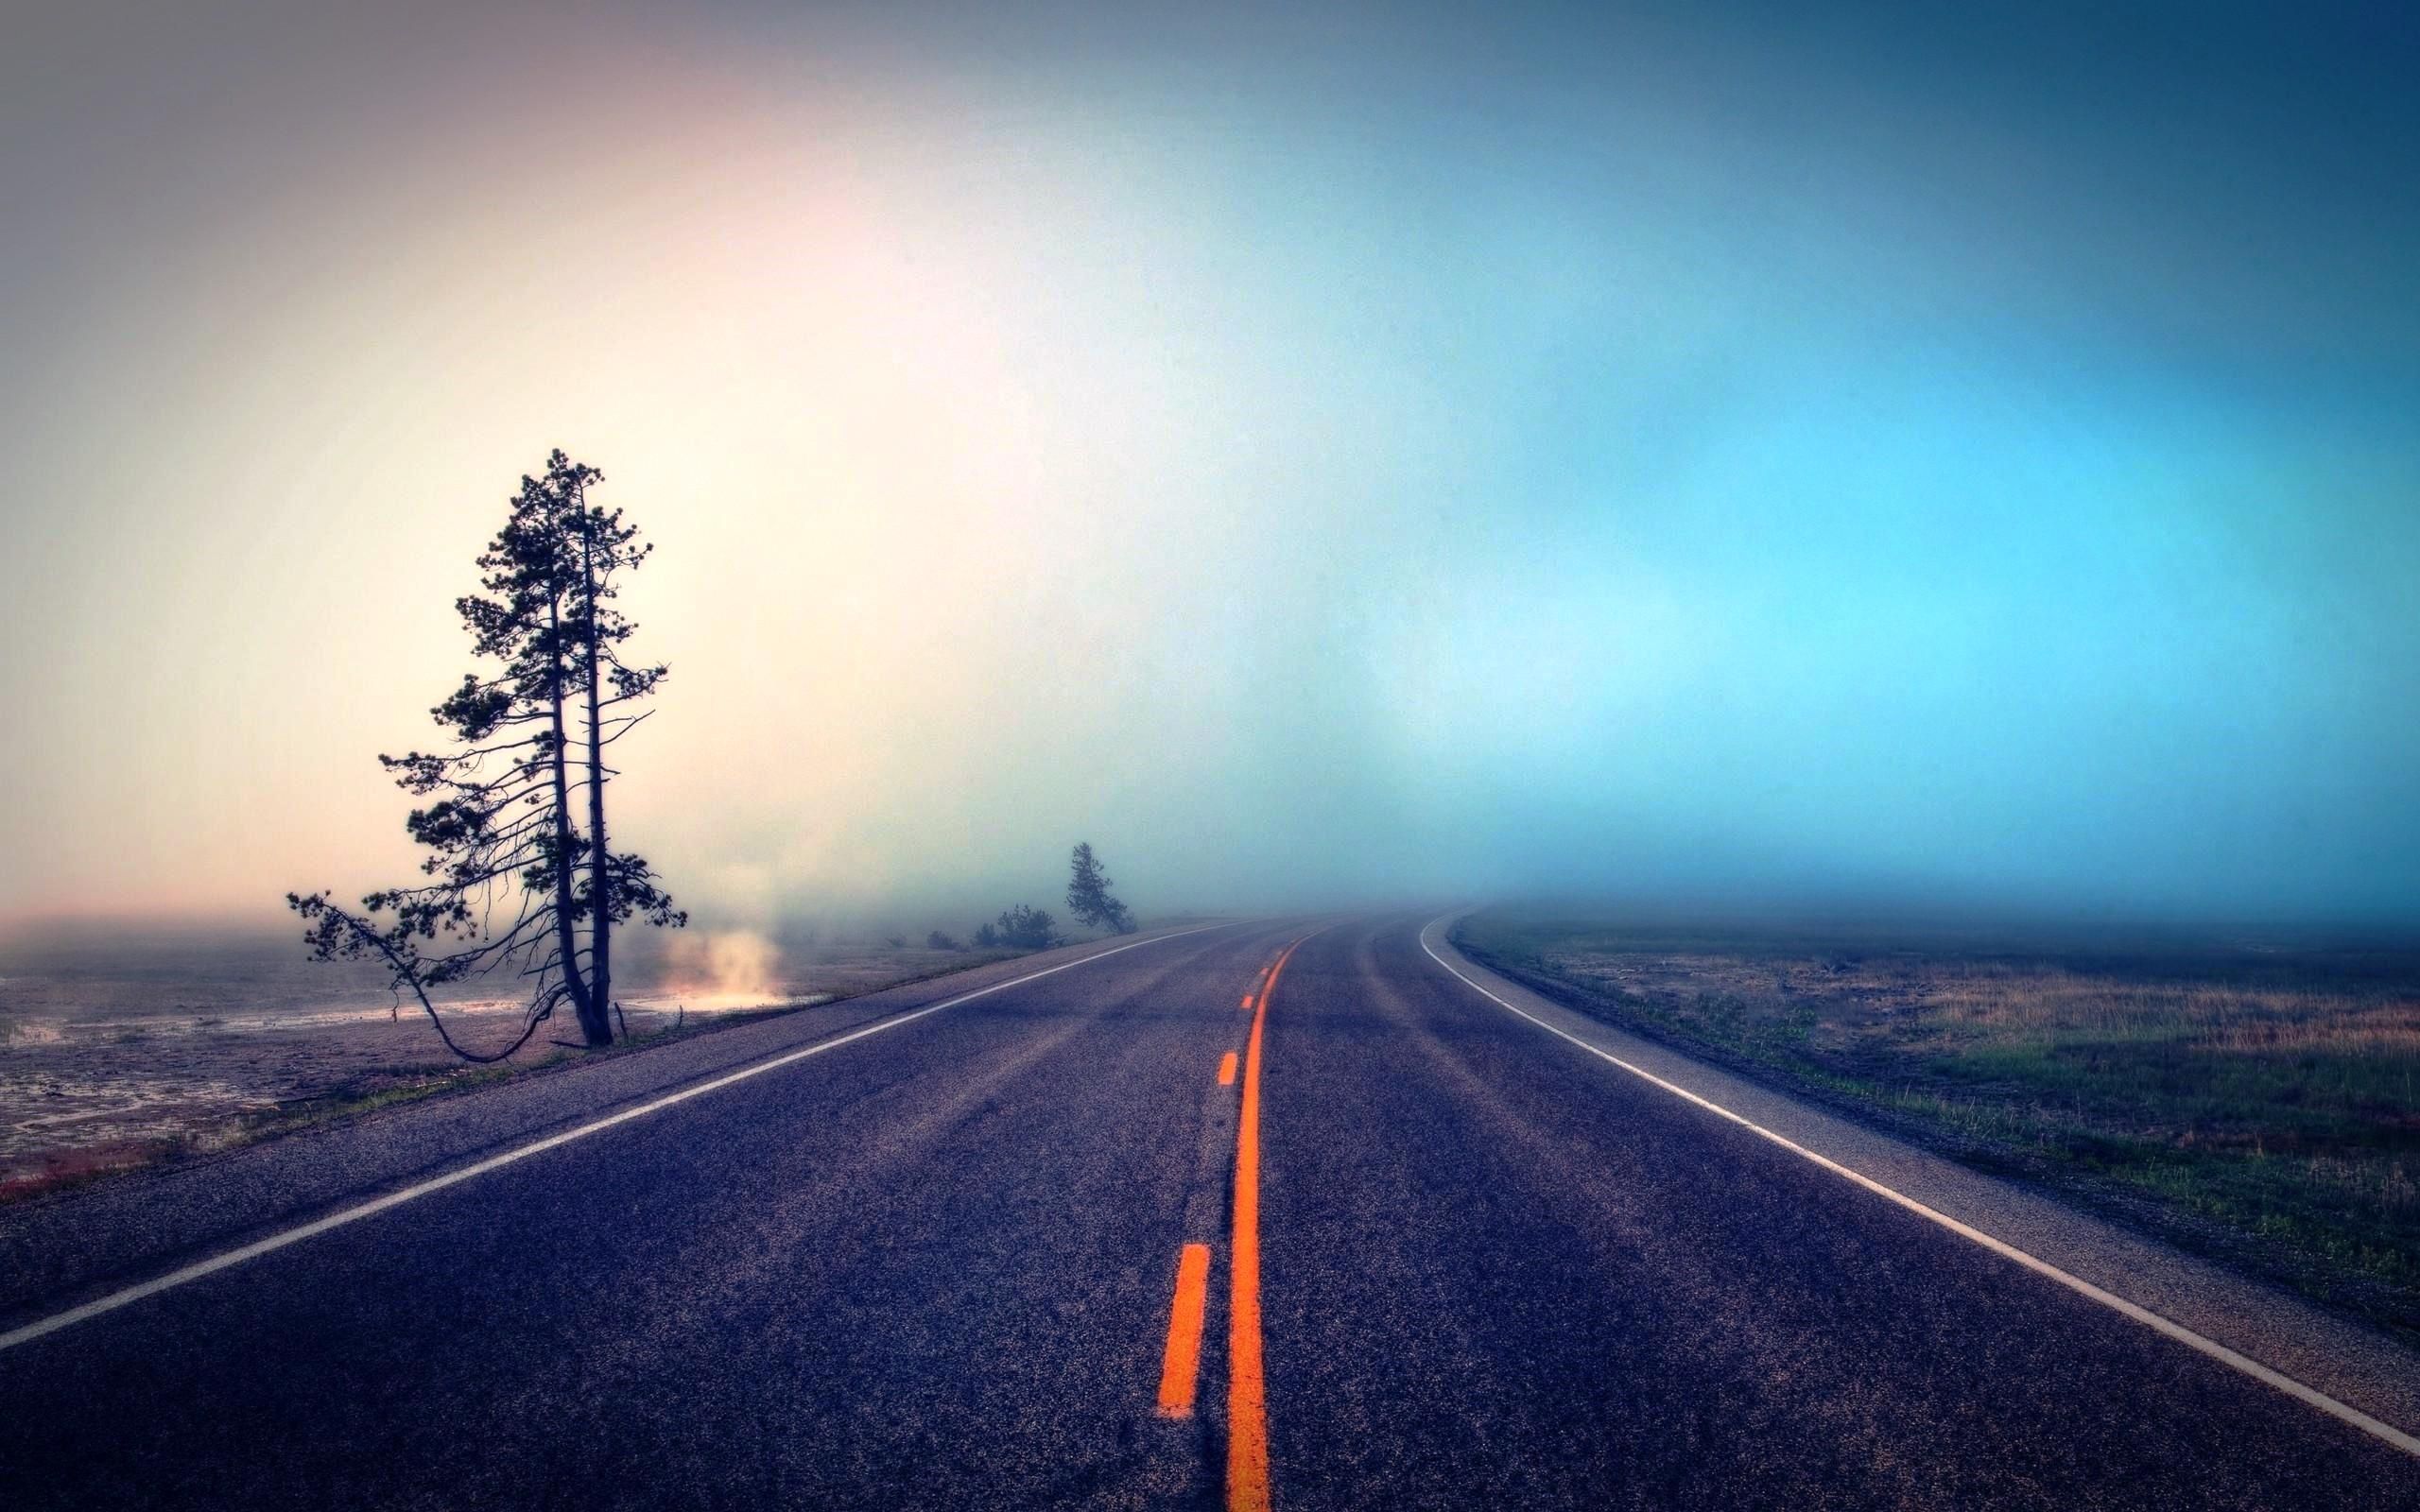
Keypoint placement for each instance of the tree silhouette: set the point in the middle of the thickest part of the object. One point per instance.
(1088, 894)
(524, 879)
(1025, 928)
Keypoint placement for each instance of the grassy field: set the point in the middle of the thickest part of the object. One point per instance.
(2256, 1100)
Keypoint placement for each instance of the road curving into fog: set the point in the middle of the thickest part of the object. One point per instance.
(1303, 1214)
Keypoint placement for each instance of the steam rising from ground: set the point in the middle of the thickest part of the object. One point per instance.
(719, 969)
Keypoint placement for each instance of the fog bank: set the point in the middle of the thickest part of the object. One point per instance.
(1678, 453)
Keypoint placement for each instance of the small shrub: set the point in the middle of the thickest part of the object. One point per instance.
(1028, 928)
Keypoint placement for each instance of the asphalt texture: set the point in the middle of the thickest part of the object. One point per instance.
(934, 1267)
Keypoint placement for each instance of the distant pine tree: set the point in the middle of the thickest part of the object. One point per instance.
(1088, 895)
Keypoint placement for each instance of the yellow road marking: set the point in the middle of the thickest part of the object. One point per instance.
(1247, 1392)
(1183, 1361)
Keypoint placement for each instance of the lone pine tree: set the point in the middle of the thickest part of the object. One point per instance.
(1088, 894)
(523, 879)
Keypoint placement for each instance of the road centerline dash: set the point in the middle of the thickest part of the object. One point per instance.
(1181, 1364)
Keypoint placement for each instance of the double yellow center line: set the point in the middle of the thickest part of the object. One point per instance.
(1246, 1394)
(1247, 1390)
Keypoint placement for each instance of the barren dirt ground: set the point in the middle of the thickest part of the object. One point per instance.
(106, 1067)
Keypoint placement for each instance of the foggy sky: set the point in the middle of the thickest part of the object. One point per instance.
(1707, 451)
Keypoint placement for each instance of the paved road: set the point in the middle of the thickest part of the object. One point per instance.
(939, 1266)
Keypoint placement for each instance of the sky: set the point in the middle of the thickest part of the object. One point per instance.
(1717, 450)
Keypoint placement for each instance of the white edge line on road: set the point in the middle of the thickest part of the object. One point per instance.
(2384, 1431)
(395, 1199)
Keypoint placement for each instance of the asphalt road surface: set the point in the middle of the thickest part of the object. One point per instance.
(1145, 1232)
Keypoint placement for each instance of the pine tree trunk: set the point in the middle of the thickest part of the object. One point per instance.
(596, 1025)
(600, 961)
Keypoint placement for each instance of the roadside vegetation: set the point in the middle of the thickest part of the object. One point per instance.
(2260, 1103)
(1020, 928)
(1024, 927)
(523, 883)
(524, 888)
(1089, 897)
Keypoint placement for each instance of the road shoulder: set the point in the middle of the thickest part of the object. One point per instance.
(2362, 1369)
